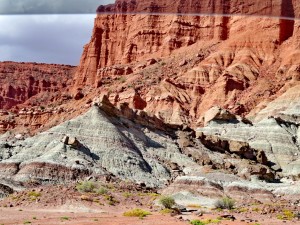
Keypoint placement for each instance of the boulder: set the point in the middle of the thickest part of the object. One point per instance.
(217, 113)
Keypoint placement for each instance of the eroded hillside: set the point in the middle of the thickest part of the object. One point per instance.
(145, 84)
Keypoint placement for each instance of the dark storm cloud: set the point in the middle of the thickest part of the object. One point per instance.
(44, 38)
(50, 6)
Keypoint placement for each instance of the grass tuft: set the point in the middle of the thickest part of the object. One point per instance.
(197, 222)
(86, 186)
(286, 215)
(101, 191)
(64, 218)
(136, 213)
(167, 201)
(225, 203)
(205, 222)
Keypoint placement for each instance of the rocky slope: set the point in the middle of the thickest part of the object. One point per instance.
(277, 138)
(108, 142)
(91, 145)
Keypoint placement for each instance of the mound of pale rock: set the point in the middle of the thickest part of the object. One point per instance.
(276, 138)
(92, 144)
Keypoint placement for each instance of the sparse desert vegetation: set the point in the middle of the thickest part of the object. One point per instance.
(141, 204)
(137, 213)
(205, 222)
(167, 201)
(86, 186)
(225, 203)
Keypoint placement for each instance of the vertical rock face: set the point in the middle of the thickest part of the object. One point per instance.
(21, 81)
(120, 38)
(215, 58)
(287, 26)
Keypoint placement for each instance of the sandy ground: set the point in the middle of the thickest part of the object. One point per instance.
(16, 216)
(55, 205)
(49, 217)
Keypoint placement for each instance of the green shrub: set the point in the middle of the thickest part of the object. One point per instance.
(127, 194)
(205, 222)
(225, 203)
(111, 200)
(136, 213)
(211, 221)
(242, 210)
(286, 215)
(197, 222)
(166, 211)
(64, 218)
(167, 201)
(280, 217)
(34, 194)
(101, 191)
(86, 186)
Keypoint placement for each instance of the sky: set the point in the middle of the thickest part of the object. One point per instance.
(50, 6)
(42, 31)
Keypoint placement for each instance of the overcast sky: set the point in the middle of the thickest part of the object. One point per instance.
(50, 6)
(57, 38)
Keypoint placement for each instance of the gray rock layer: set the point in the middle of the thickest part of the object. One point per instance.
(97, 145)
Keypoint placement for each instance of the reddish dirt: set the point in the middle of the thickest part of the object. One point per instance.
(14, 216)
(65, 205)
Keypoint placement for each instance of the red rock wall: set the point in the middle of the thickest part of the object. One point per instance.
(196, 62)
(119, 38)
(249, 7)
(21, 81)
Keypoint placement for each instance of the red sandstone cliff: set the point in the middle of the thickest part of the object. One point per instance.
(236, 62)
(22, 81)
(172, 66)
(31, 93)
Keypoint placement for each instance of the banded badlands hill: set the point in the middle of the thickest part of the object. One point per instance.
(200, 106)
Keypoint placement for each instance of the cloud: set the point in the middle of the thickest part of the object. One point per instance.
(50, 6)
(44, 38)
